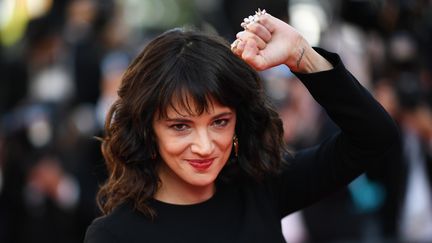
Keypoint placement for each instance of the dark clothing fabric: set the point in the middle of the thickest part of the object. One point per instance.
(249, 211)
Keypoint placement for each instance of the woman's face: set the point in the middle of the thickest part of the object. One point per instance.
(194, 148)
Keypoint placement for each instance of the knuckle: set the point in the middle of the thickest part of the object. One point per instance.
(252, 27)
(240, 34)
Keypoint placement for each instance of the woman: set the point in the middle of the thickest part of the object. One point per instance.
(194, 149)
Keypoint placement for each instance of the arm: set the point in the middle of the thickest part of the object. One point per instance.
(368, 136)
(367, 132)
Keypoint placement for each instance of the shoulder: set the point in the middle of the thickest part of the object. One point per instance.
(99, 231)
(114, 226)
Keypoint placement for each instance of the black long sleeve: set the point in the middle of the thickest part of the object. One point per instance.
(367, 135)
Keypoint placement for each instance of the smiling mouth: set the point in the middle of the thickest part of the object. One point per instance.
(201, 164)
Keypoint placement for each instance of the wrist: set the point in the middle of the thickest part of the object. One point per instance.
(306, 60)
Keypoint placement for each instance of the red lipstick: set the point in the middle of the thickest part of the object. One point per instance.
(201, 164)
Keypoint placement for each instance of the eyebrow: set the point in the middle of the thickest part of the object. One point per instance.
(182, 119)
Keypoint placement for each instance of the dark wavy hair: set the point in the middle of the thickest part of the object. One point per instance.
(174, 67)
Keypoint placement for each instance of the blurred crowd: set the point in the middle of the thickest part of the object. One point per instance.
(61, 72)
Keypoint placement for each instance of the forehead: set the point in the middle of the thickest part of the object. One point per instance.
(189, 107)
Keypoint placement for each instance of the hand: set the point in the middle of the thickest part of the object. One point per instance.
(271, 42)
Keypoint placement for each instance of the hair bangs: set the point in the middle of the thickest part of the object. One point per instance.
(190, 91)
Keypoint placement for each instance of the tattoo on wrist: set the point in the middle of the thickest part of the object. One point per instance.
(301, 57)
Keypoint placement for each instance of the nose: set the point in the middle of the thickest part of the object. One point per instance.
(202, 144)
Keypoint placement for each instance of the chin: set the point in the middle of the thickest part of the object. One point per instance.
(203, 182)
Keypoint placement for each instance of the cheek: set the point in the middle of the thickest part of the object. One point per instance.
(224, 142)
(228, 143)
(172, 147)
(226, 138)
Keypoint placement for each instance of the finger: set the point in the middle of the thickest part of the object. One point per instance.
(240, 47)
(234, 44)
(237, 47)
(267, 21)
(244, 35)
(251, 55)
(250, 50)
(260, 30)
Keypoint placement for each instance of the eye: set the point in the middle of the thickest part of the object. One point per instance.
(179, 127)
(220, 122)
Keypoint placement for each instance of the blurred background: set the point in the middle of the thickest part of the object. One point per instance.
(61, 62)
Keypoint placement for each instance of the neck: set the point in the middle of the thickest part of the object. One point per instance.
(180, 192)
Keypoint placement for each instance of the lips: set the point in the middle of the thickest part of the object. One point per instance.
(201, 164)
